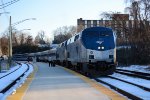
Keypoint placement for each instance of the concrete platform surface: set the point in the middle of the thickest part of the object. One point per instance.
(55, 83)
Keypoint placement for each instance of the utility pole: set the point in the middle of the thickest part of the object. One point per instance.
(10, 43)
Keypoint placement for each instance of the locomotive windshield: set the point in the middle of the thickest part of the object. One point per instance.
(93, 39)
(99, 33)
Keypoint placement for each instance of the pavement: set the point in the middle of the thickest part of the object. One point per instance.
(55, 83)
(59, 83)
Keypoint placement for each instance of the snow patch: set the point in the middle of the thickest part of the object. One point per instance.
(7, 80)
(137, 68)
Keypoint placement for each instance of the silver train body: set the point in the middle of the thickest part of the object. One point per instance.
(44, 55)
(92, 51)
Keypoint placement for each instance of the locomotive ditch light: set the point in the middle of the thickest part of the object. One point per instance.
(111, 56)
(99, 47)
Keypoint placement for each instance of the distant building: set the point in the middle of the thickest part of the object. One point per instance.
(82, 24)
(118, 17)
(115, 23)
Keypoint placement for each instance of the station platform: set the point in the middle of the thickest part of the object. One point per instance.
(58, 83)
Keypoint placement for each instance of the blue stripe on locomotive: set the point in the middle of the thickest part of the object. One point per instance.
(95, 37)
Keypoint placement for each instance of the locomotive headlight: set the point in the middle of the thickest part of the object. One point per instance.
(102, 47)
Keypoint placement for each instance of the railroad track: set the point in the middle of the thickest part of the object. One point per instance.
(14, 81)
(113, 84)
(10, 72)
(134, 74)
(142, 87)
(121, 91)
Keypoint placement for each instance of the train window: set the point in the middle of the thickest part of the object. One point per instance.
(76, 37)
(77, 49)
(66, 43)
(69, 41)
(57, 55)
(106, 33)
(62, 45)
(68, 55)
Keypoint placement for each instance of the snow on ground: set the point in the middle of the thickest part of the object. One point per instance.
(142, 82)
(11, 77)
(4, 72)
(138, 68)
(129, 88)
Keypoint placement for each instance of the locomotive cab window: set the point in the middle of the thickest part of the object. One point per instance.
(76, 37)
(62, 45)
(105, 33)
(66, 43)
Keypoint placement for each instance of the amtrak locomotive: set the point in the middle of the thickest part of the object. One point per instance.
(91, 51)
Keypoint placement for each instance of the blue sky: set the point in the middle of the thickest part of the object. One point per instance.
(51, 14)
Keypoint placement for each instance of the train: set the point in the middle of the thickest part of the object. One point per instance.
(91, 51)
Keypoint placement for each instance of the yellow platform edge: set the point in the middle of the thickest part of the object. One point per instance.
(21, 91)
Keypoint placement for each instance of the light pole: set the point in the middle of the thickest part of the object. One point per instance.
(15, 30)
(23, 21)
(10, 37)
(10, 44)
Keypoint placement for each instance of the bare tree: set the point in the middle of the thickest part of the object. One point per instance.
(15, 39)
(37, 40)
(108, 15)
(139, 9)
(29, 40)
(4, 45)
(140, 31)
(22, 38)
(63, 33)
(40, 38)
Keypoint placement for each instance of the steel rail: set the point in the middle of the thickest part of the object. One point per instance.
(142, 87)
(135, 72)
(133, 75)
(10, 72)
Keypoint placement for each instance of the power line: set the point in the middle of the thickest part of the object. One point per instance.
(2, 6)
(8, 4)
(7, 17)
